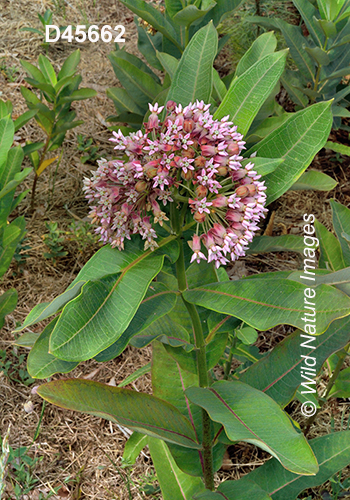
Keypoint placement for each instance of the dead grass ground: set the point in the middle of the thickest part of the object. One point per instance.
(76, 450)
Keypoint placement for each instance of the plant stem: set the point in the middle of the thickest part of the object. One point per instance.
(36, 177)
(330, 384)
(201, 353)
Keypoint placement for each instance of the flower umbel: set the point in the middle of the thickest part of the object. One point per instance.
(189, 158)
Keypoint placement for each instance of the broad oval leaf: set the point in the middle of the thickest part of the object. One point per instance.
(332, 452)
(279, 373)
(341, 224)
(331, 253)
(248, 92)
(193, 76)
(230, 403)
(314, 179)
(137, 411)
(297, 141)
(40, 363)
(267, 302)
(96, 318)
(265, 44)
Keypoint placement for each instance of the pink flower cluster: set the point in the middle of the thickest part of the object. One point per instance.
(188, 158)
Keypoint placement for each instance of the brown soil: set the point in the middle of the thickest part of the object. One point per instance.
(79, 453)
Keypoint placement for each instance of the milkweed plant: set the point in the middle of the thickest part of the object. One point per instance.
(176, 202)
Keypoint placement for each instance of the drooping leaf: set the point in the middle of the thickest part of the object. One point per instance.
(229, 403)
(332, 453)
(138, 411)
(232, 490)
(284, 243)
(279, 373)
(7, 130)
(284, 304)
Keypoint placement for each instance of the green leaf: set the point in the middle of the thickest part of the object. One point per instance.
(11, 236)
(70, 65)
(40, 363)
(338, 148)
(24, 118)
(218, 85)
(78, 95)
(331, 256)
(295, 41)
(222, 9)
(47, 70)
(233, 490)
(7, 130)
(314, 179)
(332, 453)
(101, 313)
(341, 388)
(154, 17)
(248, 92)
(247, 335)
(137, 411)
(148, 45)
(172, 7)
(158, 302)
(8, 302)
(229, 403)
(284, 243)
(279, 373)
(263, 166)
(309, 13)
(193, 77)
(33, 71)
(341, 224)
(16, 181)
(168, 62)
(191, 13)
(265, 44)
(5, 109)
(138, 84)
(27, 340)
(291, 81)
(249, 301)
(174, 483)
(137, 374)
(297, 141)
(133, 448)
(122, 100)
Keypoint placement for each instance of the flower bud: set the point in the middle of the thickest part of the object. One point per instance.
(153, 121)
(188, 153)
(222, 171)
(242, 191)
(220, 202)
(188, 175)
(208, 150)
(201, 191)
(140, 186)
(151, 168)
(199, 217)
(233, 148)
(188, 125)
(170, 106)
(200, 161)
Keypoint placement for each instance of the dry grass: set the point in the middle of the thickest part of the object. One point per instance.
(74, 448)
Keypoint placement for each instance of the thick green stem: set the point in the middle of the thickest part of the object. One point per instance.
(201, 354)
